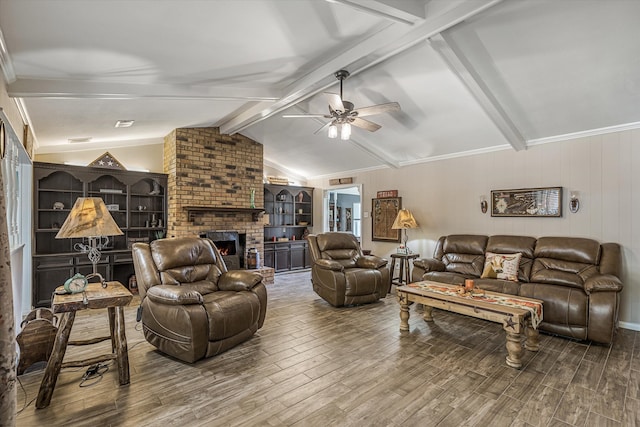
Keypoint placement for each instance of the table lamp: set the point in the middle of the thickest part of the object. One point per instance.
(89, 218)
(404, 220)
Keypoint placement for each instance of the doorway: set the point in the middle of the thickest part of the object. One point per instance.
(342, 209)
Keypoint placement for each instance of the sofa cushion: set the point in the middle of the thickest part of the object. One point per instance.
(445, 277)
(515, 244)
(465, 244)
(497, 285)
(501, 266)
(553, 271)
(574, 249)
(464, 254)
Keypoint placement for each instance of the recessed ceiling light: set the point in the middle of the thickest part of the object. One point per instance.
(78, 140)
(124, 123)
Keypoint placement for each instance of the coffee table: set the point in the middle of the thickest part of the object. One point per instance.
(518, 315)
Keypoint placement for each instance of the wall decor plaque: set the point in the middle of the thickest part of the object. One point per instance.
(384, 212)
(527, 202)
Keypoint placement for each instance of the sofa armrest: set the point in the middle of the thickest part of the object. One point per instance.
(239, 280)
(371, 261)
(602, 283)
(429, 264)
(329, 264)
(174, 295)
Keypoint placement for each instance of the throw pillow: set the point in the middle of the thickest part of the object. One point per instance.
(501, 266)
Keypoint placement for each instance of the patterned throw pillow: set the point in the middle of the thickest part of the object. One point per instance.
(501, 266)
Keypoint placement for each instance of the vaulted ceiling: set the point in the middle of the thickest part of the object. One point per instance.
(470, 76)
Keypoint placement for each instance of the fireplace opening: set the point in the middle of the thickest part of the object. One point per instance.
(230, 244)
(226, 247)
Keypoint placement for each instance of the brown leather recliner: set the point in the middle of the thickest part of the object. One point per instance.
(192, 307)
(342, 275)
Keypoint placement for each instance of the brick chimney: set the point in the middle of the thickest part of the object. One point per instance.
(210, 170)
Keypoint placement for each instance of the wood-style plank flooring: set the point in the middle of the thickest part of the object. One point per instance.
(315, 365)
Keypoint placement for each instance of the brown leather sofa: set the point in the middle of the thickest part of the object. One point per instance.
(192, 307)
(578, 279)
(342, 275)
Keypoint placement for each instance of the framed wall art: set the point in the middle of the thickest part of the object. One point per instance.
(383, 213)
(527, 202)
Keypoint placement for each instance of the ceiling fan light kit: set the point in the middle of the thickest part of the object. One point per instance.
(343, 114)
(333, 131)
(345, 132)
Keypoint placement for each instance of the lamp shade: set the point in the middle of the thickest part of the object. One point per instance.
(404, 219)
(89, 217)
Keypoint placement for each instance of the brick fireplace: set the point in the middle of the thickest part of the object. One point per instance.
(214, 173)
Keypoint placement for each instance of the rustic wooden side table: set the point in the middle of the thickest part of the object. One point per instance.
(114, 297)
(404, 277)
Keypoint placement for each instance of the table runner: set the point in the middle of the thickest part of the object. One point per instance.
(535, 308)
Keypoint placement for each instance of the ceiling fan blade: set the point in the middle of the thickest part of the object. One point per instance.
(335, 102)
(377, 109)
(289, 116)
(326, 125)
(365, 124)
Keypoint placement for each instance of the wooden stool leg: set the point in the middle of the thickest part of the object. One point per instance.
(401, 278)
(111, 313)
(121, 346)
(54, 364)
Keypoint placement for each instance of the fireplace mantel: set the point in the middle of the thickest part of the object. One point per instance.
(195, 210)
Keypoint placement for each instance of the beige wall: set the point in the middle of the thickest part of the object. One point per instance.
(445, 198)
(141, 158)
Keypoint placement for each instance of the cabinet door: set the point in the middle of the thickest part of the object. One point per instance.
(282, 258)
(307, 257)
(269, 256)
(297, 256)
(49, 273)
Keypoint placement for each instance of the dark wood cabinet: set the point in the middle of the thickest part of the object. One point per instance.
(290, 212)
(297, 252)
(136, 200)
(286, 256)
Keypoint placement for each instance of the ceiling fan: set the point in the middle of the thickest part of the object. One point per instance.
(343, 114)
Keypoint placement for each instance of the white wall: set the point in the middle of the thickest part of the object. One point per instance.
(444, 197)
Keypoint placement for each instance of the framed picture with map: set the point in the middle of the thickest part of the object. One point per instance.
(527, 202)
(383, 213)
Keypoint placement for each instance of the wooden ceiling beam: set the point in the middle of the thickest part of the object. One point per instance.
(373, 49)
(462, 68)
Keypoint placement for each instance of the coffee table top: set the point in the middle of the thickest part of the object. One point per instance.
(115, 294)
(505, 303)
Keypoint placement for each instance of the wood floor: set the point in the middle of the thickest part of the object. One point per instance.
(315, 365)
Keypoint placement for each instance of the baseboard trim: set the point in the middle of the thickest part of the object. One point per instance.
(629, 325)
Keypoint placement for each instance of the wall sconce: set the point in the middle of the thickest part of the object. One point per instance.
(574, 202)
(483, 204)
